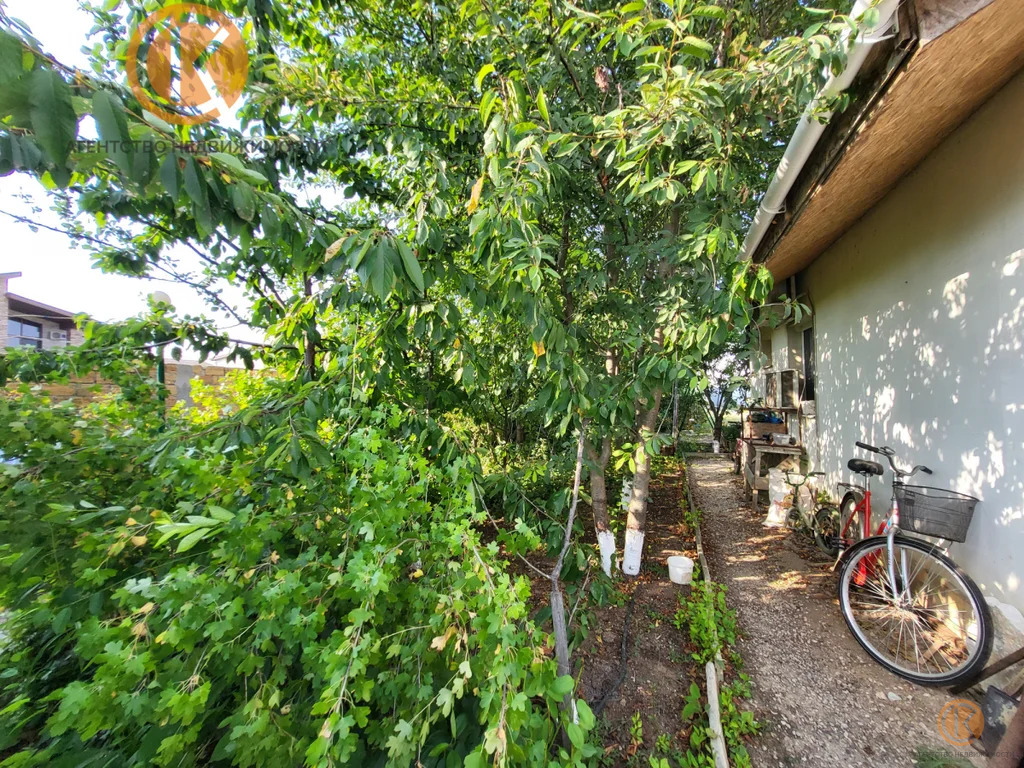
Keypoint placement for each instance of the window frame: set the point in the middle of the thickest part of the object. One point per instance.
(19, 339)
(809, 364)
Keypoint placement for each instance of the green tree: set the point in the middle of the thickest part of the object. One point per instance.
(541, 195)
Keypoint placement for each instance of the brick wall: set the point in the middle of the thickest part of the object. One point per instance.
(178, 376)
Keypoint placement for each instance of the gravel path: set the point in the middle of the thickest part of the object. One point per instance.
(821, 699)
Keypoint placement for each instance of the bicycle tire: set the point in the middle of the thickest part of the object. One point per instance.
(826, 528)
(959, 675)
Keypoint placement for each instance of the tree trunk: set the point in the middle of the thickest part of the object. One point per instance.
(719, 417)
(647, 424)
(599, 503)
(636, 519)
(675, 414)
(558, 619)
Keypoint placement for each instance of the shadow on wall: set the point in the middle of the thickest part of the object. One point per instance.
(919, 323)
(939, 376)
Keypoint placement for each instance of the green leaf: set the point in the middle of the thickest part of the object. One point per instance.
(53, 116)
(170, 176)
(563, 686)
(244, 200)
(694, 46)
(486, 105)
(271, 222)
(637, 5)
(10, 58)
(191, 540)
(542, 105)
(411, 265)
(236, 166)
(381, 274)
(575, 734)
(60, 621)
(485, 70)
(219, 513)
(586, 715)
(195, 188)
(143, 164)
(710, 11)
(108, 111)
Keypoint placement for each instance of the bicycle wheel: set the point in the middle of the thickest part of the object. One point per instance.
(826, 530)
(937, 631)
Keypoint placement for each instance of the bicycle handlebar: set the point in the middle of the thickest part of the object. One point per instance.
(889, 453)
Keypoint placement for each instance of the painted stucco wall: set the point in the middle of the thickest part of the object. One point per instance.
(919, 327)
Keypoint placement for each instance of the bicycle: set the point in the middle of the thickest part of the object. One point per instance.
(911, 608)
(816, 525)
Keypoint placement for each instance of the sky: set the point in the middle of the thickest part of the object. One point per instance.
(53, 271)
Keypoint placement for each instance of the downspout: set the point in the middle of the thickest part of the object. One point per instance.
(811, 127)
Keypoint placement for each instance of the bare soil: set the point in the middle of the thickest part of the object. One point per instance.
(822, 701)
(659, 670)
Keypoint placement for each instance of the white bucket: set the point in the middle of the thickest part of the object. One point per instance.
(680, 569)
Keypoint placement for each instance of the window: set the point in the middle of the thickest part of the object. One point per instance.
(24, 333)
(766, 347)
(808, 363)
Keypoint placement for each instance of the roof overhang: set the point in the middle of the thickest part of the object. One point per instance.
(961, 53)
(19, 306)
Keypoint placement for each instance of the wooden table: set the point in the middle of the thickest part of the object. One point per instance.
(752, 466)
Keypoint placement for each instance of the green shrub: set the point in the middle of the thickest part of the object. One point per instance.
(300, 582)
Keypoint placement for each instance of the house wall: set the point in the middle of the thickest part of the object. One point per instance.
(3, 312)
(75, 336)
(919, 327)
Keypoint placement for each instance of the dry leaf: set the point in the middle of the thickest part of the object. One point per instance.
(439, 642)
(333, 248)
(474, 197)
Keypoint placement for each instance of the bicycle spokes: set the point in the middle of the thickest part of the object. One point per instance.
(927, 626)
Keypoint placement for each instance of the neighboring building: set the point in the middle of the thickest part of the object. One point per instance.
(27, 322)
(904, 234)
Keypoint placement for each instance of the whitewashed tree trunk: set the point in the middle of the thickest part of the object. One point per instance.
(599, 503)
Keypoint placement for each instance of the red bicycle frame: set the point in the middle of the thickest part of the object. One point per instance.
(864, 505)
(867, 566)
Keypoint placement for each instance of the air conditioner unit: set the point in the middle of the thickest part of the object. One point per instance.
(782, 388)
(57, 335)
(771, 389)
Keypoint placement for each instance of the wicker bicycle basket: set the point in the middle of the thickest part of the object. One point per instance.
(935, 511)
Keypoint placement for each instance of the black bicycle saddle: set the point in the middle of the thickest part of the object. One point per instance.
(865, 467)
